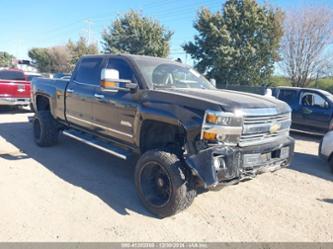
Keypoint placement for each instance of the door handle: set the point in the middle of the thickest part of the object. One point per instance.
(306, 111)
(99, 96)
(70, 90)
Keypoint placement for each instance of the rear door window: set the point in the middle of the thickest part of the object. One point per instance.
(11, 75)
(89, 71)
(288, 96)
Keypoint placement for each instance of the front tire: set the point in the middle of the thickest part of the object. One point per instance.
(45, 129)
(161, 183)
(331, 164)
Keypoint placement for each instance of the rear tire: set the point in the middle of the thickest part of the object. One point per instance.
(45, 129)
(161, 183)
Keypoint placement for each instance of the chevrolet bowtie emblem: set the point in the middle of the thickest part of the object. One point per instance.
(275, 128)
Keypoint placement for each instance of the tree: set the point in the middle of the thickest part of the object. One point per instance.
(51, 60)
(238, 45)
(80, 48)
(136, 34)
(305, 45)
(61, 58)
(6, 59)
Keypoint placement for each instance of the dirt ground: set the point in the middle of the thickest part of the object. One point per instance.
(72, 192)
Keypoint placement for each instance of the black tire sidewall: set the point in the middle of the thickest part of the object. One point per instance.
(37, 140)
(48, 129)
(172, 167)
(330, 163)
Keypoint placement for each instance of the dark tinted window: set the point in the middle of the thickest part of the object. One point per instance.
(61, 75)
(11, 75)
(288, 96)
(89, 71)
(125, 72)
(31, 77)
(275, 92)
(314, 100)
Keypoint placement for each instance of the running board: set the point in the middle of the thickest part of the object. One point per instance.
(97, 143)
(313, 133)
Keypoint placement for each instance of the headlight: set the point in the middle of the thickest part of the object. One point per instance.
(222, 127)
(214, 118)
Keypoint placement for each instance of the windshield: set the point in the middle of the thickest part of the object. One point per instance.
(329, 96)
(162, 74)
(11, 75)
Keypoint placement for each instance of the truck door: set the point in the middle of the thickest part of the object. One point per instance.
(114, 112)
(316, 110)
(81, 90)
(290, 96)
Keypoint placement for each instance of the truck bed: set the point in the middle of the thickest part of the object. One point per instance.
(55, 90)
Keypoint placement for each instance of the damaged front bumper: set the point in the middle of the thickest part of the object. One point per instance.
(223, 165)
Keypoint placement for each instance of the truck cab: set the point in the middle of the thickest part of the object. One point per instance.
(312, 109)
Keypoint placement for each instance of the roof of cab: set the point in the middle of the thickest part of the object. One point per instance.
(131, 56)
(300, 88)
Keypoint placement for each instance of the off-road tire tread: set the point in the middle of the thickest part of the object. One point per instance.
(331, 164)
(49, 129)
(183, 196)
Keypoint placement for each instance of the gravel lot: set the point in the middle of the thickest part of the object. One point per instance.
(72, 192)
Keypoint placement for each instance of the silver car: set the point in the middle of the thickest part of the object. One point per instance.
(326, 148)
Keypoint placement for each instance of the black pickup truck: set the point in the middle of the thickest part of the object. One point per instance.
(188, 134)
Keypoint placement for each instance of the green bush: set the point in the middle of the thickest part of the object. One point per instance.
(323, 83)
(279, 81)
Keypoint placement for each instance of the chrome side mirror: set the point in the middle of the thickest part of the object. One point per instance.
(110, 81)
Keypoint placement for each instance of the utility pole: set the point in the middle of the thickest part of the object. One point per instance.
(18, 48)
(89, 24)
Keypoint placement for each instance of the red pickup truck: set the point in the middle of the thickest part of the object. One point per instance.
(14, 88)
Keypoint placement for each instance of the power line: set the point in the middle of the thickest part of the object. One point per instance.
(166, 14)
(175, 13)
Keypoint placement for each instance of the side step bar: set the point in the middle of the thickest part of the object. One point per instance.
(313, 133)
(98, 144)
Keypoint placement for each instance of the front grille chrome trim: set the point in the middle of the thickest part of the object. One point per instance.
(256, 128)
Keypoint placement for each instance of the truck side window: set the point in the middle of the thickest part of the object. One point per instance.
(125, 71)
(11, 75)
(89, 71)
(288, 96)
(314, 100)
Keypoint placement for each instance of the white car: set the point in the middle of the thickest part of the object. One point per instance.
(326, 148)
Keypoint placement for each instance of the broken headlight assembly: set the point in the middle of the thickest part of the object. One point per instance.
(222, 128)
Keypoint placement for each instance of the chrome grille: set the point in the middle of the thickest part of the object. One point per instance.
(264, 129)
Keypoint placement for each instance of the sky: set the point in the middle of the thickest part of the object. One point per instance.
(44, 23)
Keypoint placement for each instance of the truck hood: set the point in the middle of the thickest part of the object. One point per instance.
(232, 100)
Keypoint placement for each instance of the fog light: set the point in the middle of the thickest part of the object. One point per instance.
(219, 163)
(221, 137)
